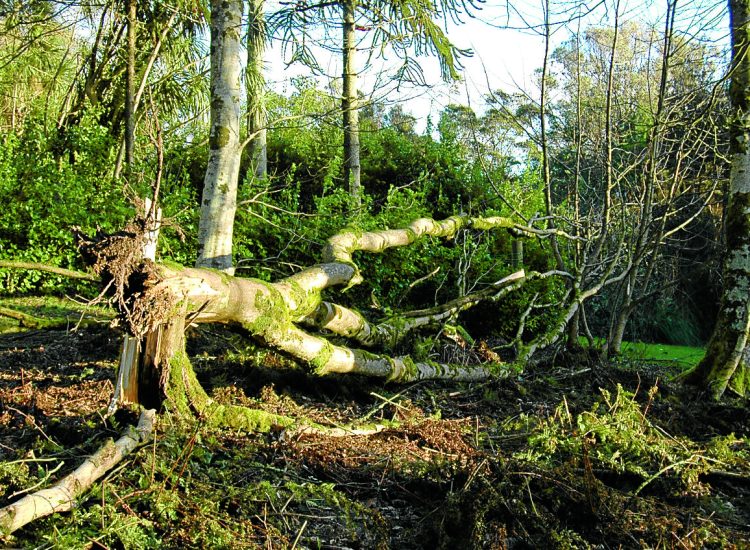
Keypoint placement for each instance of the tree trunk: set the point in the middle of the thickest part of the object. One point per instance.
(256, 83)
(63, 496)
(219, 201)
(727, 361)
(157, 301)
(130, 87)
(574, 331)
(616, 335)
(349, 105)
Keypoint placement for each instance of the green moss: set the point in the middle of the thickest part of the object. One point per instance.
(187, 399)
(246, 419)
(220, 138)
(171, 265)
(272, 311)
(320, 362)
(411, 371)
(395, 328)
(740, 381)
(305, 301)
(183, 389)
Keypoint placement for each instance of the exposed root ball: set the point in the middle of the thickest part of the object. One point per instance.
(118, 259)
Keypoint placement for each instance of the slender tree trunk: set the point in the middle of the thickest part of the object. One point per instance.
(574, 330)
(256, 83)
(616, 335)
(548, 202)
(130, 86)
(350, 104)
(219, 201)
(726, 364)
(143, 82)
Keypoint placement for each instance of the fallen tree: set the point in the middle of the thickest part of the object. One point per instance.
(158, 300)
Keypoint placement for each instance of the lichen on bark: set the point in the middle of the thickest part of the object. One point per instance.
(725, 365)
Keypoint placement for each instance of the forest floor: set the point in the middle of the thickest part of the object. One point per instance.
(572, 454)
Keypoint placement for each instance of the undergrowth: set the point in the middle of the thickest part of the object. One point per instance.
(557, 457)
(617, 436)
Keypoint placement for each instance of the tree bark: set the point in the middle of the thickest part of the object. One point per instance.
(726, 364)
(62, 497)
(256, 83)
(219, 201)
(616, 335)
(349, 105)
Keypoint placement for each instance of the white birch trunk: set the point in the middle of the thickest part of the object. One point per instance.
(350, 105)
(219, 201)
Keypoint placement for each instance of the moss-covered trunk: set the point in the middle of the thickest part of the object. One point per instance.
(725, 365)
(156, 301)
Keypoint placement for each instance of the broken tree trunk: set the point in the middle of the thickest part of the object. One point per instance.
(136, 379)
(159, 300)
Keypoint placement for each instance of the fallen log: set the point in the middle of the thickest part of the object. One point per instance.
(63, 496)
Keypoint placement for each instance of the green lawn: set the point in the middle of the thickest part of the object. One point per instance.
(683, 357)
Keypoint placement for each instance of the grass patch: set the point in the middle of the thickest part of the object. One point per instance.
(679, 357)
(683, 356)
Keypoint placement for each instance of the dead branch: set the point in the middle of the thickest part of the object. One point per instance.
(71, 274)
(62, 497)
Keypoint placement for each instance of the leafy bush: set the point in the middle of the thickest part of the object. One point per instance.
(44, 196)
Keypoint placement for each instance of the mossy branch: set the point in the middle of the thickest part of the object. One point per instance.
(33, 266)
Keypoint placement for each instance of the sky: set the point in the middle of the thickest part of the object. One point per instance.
(506, 52)
(501, 59)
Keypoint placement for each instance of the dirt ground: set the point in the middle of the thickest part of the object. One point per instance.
(570, 454)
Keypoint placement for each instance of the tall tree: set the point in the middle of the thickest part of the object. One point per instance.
(256, 84)
(726, 364)
(404, 27)
(349, 108)
(219, 200)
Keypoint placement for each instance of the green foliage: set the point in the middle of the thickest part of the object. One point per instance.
(44, 196)
(13, 476)
(47, 193)
(38, 62)
(616, 435)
